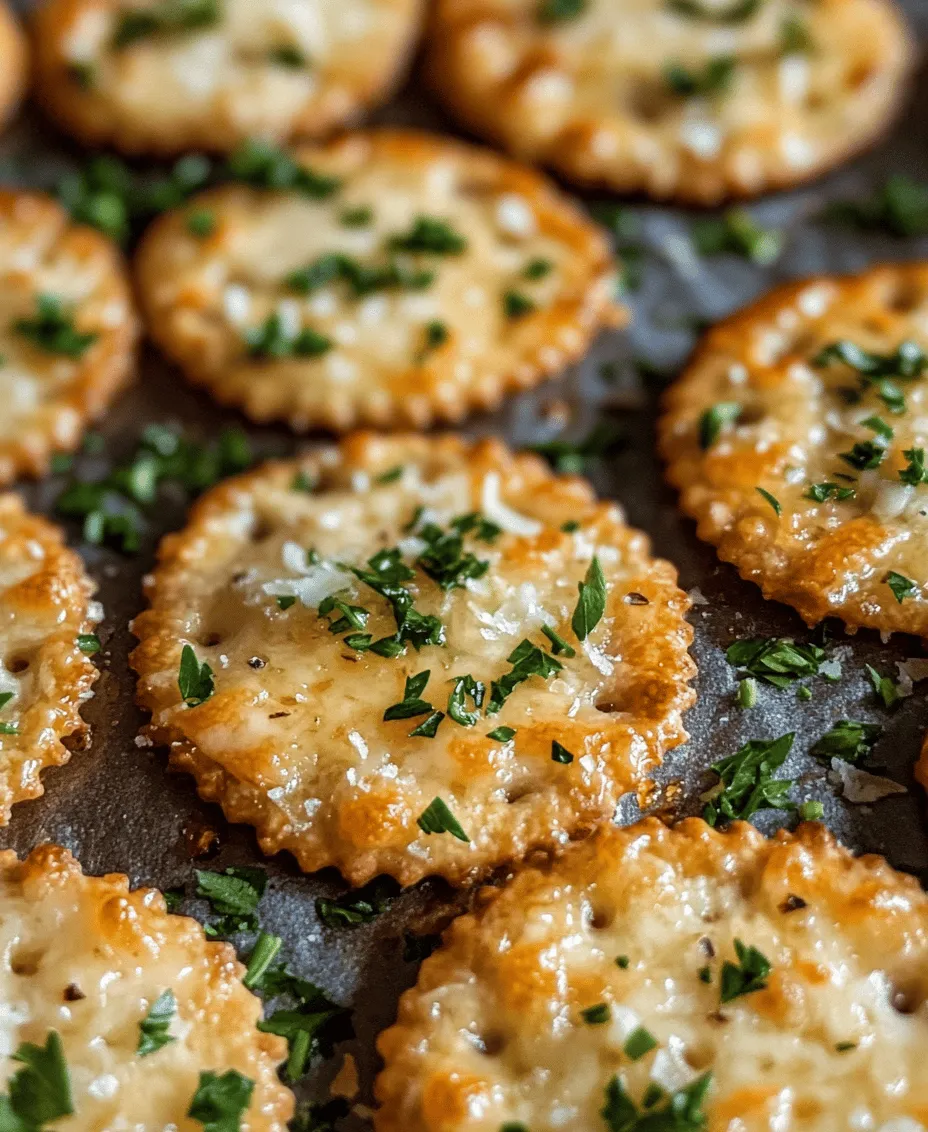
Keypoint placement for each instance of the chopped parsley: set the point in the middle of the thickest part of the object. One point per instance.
(771, 499)
(385, 574)
(349, 616)
(285, 601)
(362, 906)
(705, 974)
(680, 1111)
(288, 55)
(591, 604)
(430, 235)
(811, 811)
(559, 647)
(444, 558)
(622, 962)
(845, 1047)
(537, 269)
(907, 361)
(167, 17)
(195, 680)
(360, 217)
(41, 1090)
(746, 783)
(438, 818)
(361, 279)
(736, 13)
(775, 660)
(899, 206)
(466, 687)
(263, 954)
(7, 728)
(560, 11)
(153, 1029)
(884, 688)
(560, 754)
(715, 78)
(312, 1024)
(52, 329)
(596, 1015)
(865, 454)
(265, 166)
(88, 643)
(915, 471)
(848, 740)
(273, 340)
(516, 305)
(747, 692)
(220, 1102)
(201, 223)
(502, 734)
(527, 660)
(901, 586)
(413, 705)
(639, 1042)
(435, 336)
(737, 232)
(825, 491)
(573, 457)
(234, 896)
(795, 37)
(746, 976)
(715, 419)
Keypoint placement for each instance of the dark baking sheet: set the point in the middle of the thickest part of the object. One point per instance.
(117, 808)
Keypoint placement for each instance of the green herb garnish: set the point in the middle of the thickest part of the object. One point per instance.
(746, 782)
(901, 586)
(39, 1092)
(736, 13)
(263, 954)
(167, 17)
(272, 340)
(438, 818)
(560, 754)
(885, 689)
(560, 11)
(52, 329)
(201, 223)
(265, 166)
(194, 680)
(431, 235)
(233, 895)
(88, 643)
(848, 740)
(502, 734)
(681, 1111)
(776, 660)
(466, 687)
(573, 457)
(738, 233)
(516, 305)
(771, 499)
(527, 660)
(361, 906)
(591, 605)
(220, 1102)
(714, 420)
(596, 1015)
(811, 811)
(153, 1029)
(746, 976)
(715, 78)
(899, 206)
(639, 1042)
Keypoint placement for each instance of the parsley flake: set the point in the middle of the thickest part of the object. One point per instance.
(811, 811)
(573, 457)
(899, 206)
(775, 660)
(560, 11)
(639, 1042)
(220, 1102)
(736, 13)
(361, 906)
(715, 78)
(746, 976)
(746, 782)
(825, 491)
(52, 329)
(747, 692)
(88, 643)
(273, 340)
(848, 740)
(167, 17)
(153, 1029)
(41, 1090)
(559, 647)
(592, 602)
(194, 680)
(265, 166)
(502, 734)
(884, 688)
(596, 1015)
(560, 754)
(466, 687)
(516, 305)
(537, 269)
(738, 233)
(438, 818)
(430, 235)
(901, 586)
(527, 660)
(915, 472)
(771, 499)
(262, 956)
(681, 1111)
(714, 420)
(411, 704)
(234, 896)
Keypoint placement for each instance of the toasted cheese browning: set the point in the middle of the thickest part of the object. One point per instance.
(696, 100)
(13, 61)
(291, 736)
(747, 985)
(164, 77)
(45, 676)
(818, 396)
(67, 331)
(430, 279)
(87, 959)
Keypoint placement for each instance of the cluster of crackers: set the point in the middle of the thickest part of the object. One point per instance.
(403, 653)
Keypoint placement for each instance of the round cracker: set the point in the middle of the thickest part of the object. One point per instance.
(293, 740)
(598, 97)
(637, 926)
(85, 958)
(798, 416)
(204, 296)
(48, 393)
(13, 63)
(265, 69)
(45, 677)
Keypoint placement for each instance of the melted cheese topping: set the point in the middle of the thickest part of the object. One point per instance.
(45, 602)
(202, 296)
(825, 558)
(273, 68)
(47, 397)
(294, 738)
(493, 1033)
(87, 958)
(590, 95)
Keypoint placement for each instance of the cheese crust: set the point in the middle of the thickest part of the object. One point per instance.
(13, 63)
(203, 296)
(493, 1033)
(47, 395)
(800, 418)
(45, 603)
(276, 69)
(87, 958)
(293, 740)
(603, 97)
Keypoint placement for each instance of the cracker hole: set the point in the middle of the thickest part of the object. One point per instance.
(491, 1044)
(905, 999)
(261, 530)
(601, 917)
(608, 707)
(17, 664)
(26, 961)
(903, 299)
(211, 640)
(700, 1056)
(517, 793)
